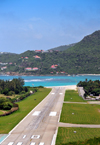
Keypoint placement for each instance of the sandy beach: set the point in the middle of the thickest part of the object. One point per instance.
(70, 87)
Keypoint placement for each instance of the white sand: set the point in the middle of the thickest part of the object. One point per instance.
(71, 87)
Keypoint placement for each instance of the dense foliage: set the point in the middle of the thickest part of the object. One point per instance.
(90, 87)
(12, 87)
(62, 48)
(5, 104)
(82, 58)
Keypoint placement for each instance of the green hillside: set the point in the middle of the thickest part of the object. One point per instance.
(82, 58)
(63, 48)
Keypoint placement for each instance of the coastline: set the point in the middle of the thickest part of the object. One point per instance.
(24, 74)
(69, 87)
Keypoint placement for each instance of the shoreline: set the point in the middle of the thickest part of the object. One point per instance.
(52, 75)
(69, 87)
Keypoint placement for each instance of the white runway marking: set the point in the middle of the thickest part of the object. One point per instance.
(19, 143)
(41, 143)
(32, 143)
(36, 113)
(24, 136)
(59, 116)
(60, 93)
(52, 113)
(52, 93)
(35, 136)
(11, 143)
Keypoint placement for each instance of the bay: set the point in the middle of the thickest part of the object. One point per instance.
(52, 80)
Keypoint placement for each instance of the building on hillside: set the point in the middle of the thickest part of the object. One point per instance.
(50, 51)
(28, 68)
(26, 57)
(31, 69)
(35, 68)
(38, 51)
(5, 63)
(10, 63)
(45, 51)
(54, 66)
(37, 57)
(62, 72)
(5, 67)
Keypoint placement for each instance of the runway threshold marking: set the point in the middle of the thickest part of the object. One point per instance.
(36, 113)
(41, 143)
(32, 143)
(35, 136)
(11, 143)
(19, 143)
(52, 113)
(24, 136)
(52, 93)
(60, 93)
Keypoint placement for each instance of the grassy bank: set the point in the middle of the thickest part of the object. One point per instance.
(72, 96)
(25, 106)
(83, 113)
(83, 136)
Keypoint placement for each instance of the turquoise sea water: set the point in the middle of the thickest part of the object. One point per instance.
(52, 80)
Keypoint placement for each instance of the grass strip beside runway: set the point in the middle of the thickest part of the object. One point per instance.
(9, 122)
(80, 114)
(72, 96)
(83, 136)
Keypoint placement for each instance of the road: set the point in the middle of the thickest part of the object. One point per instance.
(40, 125)
(61, 124)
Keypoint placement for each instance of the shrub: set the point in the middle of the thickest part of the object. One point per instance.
(27, 94)
(2, 99)
(40, 87)
(16, 91)
(15, 105)
(22, 97)
(5, 91)
(7, 105)
(11, 93)
(25, 89)
(23, 92)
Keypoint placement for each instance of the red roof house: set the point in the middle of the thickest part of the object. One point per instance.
(54, 66)
(26, 57)
(37, 57)
(35, 68)
(28, 68)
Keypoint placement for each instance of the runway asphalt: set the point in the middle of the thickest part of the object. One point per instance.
(40, 125)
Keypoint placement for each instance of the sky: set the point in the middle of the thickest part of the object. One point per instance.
(45, 24)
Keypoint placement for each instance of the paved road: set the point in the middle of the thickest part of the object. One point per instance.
(68, 102)
(41, 123)
(88, 102)
(61, 124)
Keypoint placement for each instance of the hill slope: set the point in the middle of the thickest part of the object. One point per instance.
(63, 48)
(85, 55)
(82, 58)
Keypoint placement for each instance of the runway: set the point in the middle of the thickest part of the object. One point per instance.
(40, 125)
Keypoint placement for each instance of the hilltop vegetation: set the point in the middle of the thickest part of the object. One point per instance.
(82, 58)
(63, 48)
